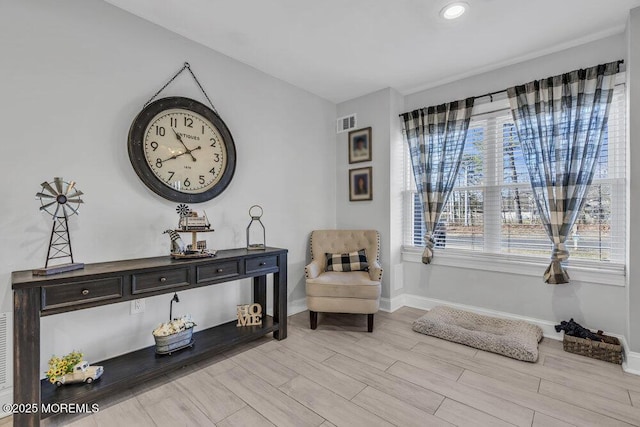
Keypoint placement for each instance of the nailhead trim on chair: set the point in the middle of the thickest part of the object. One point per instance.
(378, 257)
(306, 271)
(377, 242)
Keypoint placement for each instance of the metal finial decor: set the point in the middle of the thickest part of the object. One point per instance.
(256, 233)
(183, 210)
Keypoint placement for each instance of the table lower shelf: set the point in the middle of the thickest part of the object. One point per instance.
(123, 372)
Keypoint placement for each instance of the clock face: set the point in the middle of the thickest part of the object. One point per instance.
(185, 151)
(182, 150)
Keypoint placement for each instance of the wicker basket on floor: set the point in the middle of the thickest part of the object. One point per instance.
(609, 350)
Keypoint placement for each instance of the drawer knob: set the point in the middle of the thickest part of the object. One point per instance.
(262, 264)
(85, 292)
(219, 270)
(163, 279)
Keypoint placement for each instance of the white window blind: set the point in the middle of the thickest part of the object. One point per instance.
(492, 209)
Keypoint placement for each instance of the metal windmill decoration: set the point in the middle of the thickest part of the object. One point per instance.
(60, 199)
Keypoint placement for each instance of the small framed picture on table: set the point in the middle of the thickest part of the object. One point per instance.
(360, 145)
(360, 184)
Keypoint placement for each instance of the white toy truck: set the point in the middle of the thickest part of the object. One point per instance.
(82, 372)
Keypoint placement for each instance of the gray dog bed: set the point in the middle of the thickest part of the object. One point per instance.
(512, 338)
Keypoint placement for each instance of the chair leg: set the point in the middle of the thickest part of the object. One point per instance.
(370, 322)
(313, 319)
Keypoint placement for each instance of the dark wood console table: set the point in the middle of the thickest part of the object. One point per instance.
(119, 281)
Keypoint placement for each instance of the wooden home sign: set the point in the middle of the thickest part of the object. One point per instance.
(249, 315)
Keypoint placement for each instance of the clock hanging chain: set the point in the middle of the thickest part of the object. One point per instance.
(188, 68)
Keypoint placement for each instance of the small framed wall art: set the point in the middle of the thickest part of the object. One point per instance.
(360, 184)
(360, 145)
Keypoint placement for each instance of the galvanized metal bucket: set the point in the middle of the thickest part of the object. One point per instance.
(174, 342)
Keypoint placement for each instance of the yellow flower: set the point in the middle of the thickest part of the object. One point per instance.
(62, 365)
(52, 380)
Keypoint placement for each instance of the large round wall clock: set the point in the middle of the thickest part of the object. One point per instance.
(182, 150)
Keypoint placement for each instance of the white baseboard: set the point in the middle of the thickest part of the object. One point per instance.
(428, 303)
(631, 362)
(297, 306)
(392, 304)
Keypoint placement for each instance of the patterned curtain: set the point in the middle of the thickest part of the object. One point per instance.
(436, 141)
(560, 122)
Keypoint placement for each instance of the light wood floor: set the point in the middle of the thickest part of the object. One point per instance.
(341, 375)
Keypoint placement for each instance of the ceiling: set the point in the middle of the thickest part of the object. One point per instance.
(341, 49)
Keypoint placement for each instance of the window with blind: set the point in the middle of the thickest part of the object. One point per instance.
(492, 209)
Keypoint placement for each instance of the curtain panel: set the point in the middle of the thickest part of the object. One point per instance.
(560, 122)
(436, 137)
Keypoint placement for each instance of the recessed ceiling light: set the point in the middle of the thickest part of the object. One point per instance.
(454, 10)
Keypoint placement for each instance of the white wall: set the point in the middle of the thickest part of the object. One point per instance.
(73, 76)
(594, 305)
(633, 182)
(396, 182)
(586, 55)
(376, 110)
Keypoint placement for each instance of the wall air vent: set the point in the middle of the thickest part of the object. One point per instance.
(4, 349)
(346, 123)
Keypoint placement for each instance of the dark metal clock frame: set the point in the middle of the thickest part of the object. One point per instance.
(139, 162)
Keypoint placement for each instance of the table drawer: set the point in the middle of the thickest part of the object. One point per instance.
(69, 294)
(266, 263)
(221, 270)
(158, 280)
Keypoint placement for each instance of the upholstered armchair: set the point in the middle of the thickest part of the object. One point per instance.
(343, 291)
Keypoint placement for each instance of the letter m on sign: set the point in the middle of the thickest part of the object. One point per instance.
(243, 315)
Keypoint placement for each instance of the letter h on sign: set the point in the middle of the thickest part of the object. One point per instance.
(249, 315)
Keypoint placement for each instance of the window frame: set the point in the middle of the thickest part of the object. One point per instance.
(582, 270)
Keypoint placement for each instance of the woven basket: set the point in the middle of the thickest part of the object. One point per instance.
(170, 343)
(609, 350)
